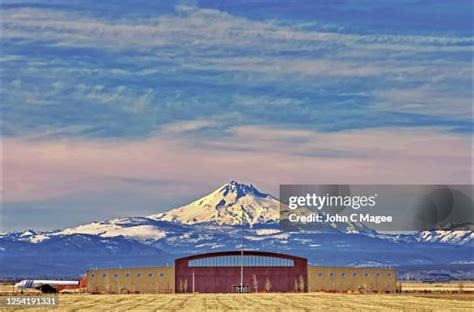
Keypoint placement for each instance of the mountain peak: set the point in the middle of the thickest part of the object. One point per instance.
(240, 189)
(226, 205)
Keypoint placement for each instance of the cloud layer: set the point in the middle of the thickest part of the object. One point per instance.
(134, 108)
(265, 156)
(82, 74)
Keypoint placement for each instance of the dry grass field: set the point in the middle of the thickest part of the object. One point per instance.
(262, 302)
(465, 286)
(437, 299)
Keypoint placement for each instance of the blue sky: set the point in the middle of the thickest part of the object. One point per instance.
(295, 83)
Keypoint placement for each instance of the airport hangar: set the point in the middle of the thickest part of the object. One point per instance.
(222, 272)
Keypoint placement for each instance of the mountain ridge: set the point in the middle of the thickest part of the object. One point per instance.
(225, 206)
(209, 224)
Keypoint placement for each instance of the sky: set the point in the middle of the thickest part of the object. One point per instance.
(129, 108)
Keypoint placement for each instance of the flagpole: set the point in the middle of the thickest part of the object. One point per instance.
(242, 251)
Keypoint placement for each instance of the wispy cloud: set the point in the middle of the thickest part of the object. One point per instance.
(201, 28)
(82, 74)
(265, 156)
(105, 106)
(440, 102)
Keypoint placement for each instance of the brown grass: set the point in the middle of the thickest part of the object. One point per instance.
(467, 286)
(438, 297)
(263, 302)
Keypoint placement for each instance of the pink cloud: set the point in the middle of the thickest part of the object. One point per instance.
(267, 157)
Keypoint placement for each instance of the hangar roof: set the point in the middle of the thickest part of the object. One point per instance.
(237, 253)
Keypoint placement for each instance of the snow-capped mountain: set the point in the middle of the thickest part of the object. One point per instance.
(29, 236)
(454, 234)
(227, 205)
(221, 209)
(142, 229)
(448, 237)
(213, 222)
(233, 201)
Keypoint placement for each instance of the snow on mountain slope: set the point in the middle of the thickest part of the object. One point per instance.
(216, 213)
(454, 234)
(138, 228)
(224, 206)
(211, 220)
(29, 236)
(459, 235)
(212, 223)
(448, 237)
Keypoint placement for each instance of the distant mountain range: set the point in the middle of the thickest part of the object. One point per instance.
(213, 223)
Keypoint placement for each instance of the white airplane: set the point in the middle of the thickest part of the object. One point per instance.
(50, 286)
